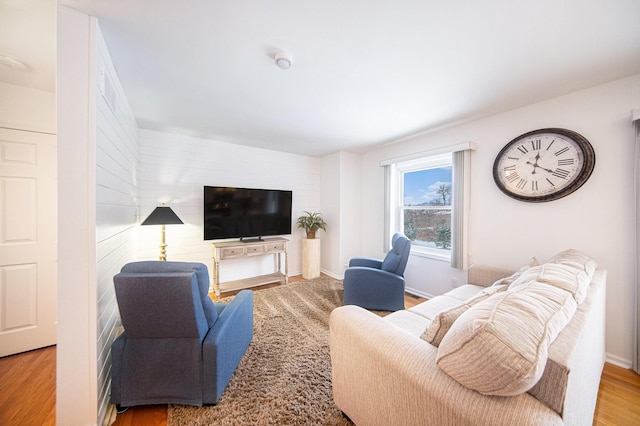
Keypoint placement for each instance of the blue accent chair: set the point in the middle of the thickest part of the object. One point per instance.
(178, 346)
(378, 284)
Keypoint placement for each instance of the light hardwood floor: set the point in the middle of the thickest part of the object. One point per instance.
(27, 391)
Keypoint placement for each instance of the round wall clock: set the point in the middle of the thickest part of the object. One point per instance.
(544, 165)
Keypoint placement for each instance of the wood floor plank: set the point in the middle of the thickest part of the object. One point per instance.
(27, 391)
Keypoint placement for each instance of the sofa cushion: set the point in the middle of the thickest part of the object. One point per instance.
(408, 321)
(573, 280)
(443, 321)
(500, 345)
(434, 306)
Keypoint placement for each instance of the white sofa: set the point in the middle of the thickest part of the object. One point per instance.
(384, 372)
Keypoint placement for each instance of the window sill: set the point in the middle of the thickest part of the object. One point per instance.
(432, 255)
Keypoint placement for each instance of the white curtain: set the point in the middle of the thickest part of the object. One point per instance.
(635, 117)
(460, 213)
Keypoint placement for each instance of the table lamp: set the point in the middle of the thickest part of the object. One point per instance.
(162, 216)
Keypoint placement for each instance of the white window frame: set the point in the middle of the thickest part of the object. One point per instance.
(414, 165)
(461, 162)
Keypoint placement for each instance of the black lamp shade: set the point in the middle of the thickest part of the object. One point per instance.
(162, 216)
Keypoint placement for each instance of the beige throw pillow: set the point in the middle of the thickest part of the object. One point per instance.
(573, 280)
(511, 278)
(500, 345)
(441, 324)
(576, 259)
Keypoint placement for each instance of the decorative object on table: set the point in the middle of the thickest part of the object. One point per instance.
(162, 216)
(285, 376)
(378, 284)
(311, 222)
(177, 346)
(544, 165)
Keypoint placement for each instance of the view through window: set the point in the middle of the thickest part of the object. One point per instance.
(427, 193)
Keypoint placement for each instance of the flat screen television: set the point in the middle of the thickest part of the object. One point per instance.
(245, 212)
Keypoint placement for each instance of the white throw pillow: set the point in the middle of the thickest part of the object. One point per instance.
(500, 345)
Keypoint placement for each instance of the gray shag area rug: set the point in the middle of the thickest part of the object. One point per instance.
(284, 377)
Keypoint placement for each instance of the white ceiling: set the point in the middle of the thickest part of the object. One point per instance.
(28, 34)
(364, 73)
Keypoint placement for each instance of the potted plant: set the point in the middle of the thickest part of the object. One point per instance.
(311, 222)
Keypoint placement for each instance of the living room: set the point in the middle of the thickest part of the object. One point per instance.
(133, 169)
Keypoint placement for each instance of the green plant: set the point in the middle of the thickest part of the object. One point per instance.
(443, 237)
(311, 222)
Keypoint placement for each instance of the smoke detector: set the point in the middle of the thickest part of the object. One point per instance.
(283, 60)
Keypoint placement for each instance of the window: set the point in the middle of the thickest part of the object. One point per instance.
(426, 199)
(425, 195)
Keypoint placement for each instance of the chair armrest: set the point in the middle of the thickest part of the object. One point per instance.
(226, 343)
(367, 262)
(372, 277)
(373, 288)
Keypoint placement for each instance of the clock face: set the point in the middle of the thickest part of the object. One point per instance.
(544, 165)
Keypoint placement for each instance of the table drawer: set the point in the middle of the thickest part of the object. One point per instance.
(231, 252)
(255, 250)
(274, 248)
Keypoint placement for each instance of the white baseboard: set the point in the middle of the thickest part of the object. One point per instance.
(619, 361)
(418, 293)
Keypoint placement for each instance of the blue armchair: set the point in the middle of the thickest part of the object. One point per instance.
(177, 346)
(378, 284)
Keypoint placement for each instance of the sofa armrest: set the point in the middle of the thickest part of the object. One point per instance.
(486, 275)
(367, 262)
(226, 343)
(383, 375)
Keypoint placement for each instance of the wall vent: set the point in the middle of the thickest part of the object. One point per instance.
(107, 89)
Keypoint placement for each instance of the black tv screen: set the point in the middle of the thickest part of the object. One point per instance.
(245, 212)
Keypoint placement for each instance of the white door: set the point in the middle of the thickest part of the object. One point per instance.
(28, 238)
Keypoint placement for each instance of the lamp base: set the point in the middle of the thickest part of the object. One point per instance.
(163, 252)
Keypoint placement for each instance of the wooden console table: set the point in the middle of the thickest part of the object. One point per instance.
(237, 249)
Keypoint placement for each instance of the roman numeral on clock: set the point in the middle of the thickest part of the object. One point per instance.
(566, 162)
(535, 144)
(509, 168)
(561, 173)
(534, 185)
(521, 184)
(522, 149)
(511, 177)
(562, 151)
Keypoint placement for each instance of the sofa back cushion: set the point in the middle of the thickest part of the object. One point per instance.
(500, 345)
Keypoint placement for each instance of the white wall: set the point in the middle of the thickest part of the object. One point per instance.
(98, 157)
(341, 209)
(27, 109)
(597, 219)
(331, 208)
(174, 169)
(76, 391)
(117, 157)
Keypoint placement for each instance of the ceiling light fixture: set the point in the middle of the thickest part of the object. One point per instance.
(283, 60)
(12, 63)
